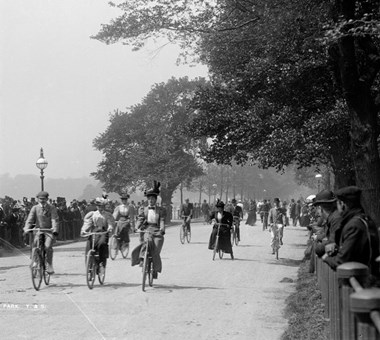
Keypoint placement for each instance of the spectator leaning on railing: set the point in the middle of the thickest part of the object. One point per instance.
(357, 237)
(326, 202)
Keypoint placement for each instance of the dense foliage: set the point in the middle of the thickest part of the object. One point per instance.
(147, 142)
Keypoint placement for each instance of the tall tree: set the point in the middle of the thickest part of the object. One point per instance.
(147, 142)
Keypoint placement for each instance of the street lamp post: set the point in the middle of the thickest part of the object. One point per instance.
(214, 186)
(318, 177)
(42, 165)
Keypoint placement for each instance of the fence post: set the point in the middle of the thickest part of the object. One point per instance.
(344, 272)
(362, 303)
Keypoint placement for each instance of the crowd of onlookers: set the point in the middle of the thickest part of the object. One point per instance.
(13, 214)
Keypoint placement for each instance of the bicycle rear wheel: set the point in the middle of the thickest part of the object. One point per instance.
(113, 247)
(36, 268)
(124, 249)
(182, 233)
(45, 273)
(90, 269)
(145, 270)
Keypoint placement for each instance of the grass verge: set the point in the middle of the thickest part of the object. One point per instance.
(304, 309)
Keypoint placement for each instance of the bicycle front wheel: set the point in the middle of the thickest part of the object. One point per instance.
(182, 234)
(150, 272)
(101, 274)
(90, 269)
(188, 235)
(216, 245)
(145, 270)
(36, 269)
(45, 273)
(237, 236)
(113, 247)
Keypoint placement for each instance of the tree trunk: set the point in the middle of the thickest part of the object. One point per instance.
(363, 118)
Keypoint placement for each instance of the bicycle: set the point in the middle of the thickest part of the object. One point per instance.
(38, 266)
(115, 245)
(147, 268)
(235, 231)
(184, 231)
(93, 267)
(265, 220)
(276, 239)
(216, 245)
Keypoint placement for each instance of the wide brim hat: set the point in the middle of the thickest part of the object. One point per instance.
(325, 196)
(100, 201)
(155, 191)
(124, 196)
(219, 204)
(276, 200)
(310, 199)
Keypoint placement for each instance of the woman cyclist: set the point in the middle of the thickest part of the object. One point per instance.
(151, 218)
(226, 219)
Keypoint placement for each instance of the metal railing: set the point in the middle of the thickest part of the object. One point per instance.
(353, 311)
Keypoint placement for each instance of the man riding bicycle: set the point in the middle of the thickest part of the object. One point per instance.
(187, 212)
(99, 221)
(237, 214)
(44, 216)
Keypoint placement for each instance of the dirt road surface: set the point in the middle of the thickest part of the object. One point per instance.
(193, 298)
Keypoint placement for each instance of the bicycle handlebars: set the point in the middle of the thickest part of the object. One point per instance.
(94, 233)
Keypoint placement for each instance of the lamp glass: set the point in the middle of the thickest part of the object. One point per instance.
(41, 163)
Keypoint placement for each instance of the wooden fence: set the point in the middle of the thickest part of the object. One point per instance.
(353, 311)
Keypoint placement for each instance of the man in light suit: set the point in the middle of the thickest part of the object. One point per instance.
(44, 216)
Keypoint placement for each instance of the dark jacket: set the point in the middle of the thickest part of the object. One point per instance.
(357, 241)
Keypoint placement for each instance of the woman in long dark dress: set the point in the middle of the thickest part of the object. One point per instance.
(226, 218)
(251, 219)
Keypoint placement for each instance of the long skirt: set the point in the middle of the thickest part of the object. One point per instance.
(224, 239)
(156, 241)
(251, 220)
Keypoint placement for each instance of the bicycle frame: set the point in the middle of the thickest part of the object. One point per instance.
(39, 271)
(93, 255)
(216, 245)
(147, 269)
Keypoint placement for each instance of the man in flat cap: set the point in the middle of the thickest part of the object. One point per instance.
(325, 201)
(44, 216)
(357, 238)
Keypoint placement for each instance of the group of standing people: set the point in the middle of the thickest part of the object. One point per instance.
(343, 231)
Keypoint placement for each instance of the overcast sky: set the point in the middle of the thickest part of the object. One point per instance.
(58, 86)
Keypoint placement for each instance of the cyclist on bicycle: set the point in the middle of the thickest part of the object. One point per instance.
(237, 214)
(99, 221)
(276, 222)
(187, 212)
(225, 218)
(123, 215)
(151, 218)
(44, 216)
